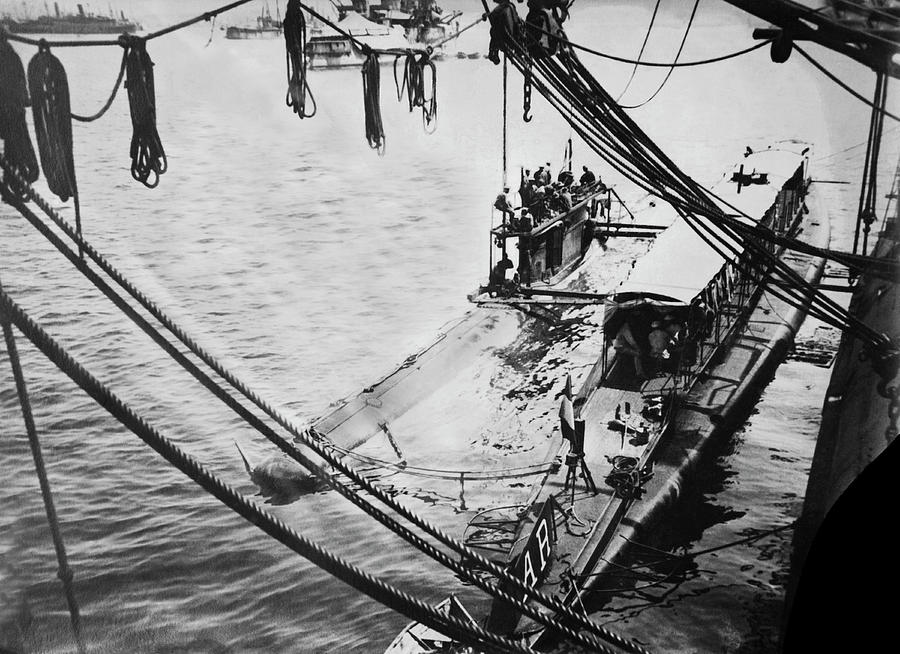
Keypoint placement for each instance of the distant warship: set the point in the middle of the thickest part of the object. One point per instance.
(59, 23)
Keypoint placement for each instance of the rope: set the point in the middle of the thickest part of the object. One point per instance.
(148, 158)
(64, 572)
(371, 74)
(52, 114)
(112, 95)
(346, 572)
(505, 103)
(13, 128)
(204, 16)
(314, 442)
(615, 136)
(414, 76)
(456, 34)
(687, 31)
(362, 46)
(442, 473)
(641, 53)
(834, 78)
(295, 54)
(653, 64)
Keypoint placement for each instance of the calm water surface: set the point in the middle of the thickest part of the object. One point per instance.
(310, 266)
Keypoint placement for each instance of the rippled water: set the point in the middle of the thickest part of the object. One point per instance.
(310, 266)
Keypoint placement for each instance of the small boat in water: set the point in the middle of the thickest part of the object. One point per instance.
(266, 27)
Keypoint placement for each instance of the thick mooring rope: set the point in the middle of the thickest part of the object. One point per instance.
(51, 108)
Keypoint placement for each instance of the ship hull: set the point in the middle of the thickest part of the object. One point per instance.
(247, 33)
(70, 27)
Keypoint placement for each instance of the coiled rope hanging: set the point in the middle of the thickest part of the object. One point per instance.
(371, 75)
(52, 113)
(414, 68)
(13, 128)
(148, 158)
(295, 54)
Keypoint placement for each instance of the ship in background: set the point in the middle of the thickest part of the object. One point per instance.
(423, 21)
(392, 24)
(266, 27)
(66, 23)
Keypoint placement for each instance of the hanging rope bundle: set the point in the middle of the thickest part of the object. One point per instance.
(414, 68)
(50, 106)
(371, 75)
(148, 158)
(295, 46)
(13, 128)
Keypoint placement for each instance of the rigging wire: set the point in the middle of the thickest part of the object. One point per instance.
(834, 78)
(562, 39)
(64, 572)
(456, 34)
(641, 53)
(627, 149)
(687, 31)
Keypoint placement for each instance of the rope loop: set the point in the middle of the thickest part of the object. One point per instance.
(297, 63)
(414, 83)
(371, 74)
(148, 157)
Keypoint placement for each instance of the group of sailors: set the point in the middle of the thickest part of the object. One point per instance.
(543, 198)
(653, 346)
